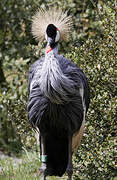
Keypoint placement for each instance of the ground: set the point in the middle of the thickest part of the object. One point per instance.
(25, 167)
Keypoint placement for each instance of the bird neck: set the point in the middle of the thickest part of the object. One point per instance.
(54, 49)
(54, 84)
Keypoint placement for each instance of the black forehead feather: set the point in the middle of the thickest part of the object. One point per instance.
(51, 30)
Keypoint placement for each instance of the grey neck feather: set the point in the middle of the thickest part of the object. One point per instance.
(53, 83)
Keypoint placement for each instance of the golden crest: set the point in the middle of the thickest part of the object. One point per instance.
(55, 16)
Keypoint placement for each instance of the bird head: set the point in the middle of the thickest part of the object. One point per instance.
(52, 23)
(52, 35)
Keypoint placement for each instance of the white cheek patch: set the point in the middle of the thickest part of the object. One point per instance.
(46, 36)
(57, 36)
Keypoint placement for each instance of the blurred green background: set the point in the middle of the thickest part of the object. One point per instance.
(93, 46)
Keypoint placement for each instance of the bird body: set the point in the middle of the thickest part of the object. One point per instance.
(58, 102)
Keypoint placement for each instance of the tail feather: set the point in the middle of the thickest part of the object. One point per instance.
(57, 155)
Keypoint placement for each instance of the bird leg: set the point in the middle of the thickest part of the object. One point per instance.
(43, 158)
(69, 169)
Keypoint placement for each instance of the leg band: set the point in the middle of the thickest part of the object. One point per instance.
(44, 158)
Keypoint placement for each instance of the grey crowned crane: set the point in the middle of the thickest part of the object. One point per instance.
(58, 95)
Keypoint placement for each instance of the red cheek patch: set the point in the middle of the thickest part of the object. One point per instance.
(48, 49)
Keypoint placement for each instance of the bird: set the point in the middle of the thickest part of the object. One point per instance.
(59, 95)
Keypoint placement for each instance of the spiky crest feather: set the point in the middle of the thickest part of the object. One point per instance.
(55, 16)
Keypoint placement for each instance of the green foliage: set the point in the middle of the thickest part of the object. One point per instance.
(98, 151)
(92, 46)
(97, 57)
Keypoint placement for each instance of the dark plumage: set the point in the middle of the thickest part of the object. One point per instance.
(51, 30)
(56, 121)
